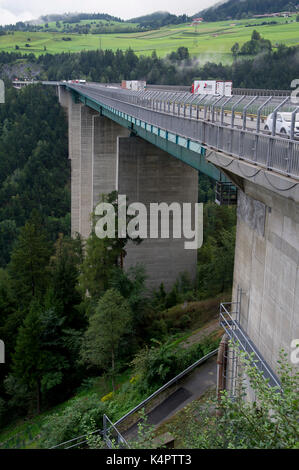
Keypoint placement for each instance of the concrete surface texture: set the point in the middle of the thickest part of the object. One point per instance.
(147, 174)
(267, 269)
(103, 159)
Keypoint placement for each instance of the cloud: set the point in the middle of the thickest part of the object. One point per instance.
(22, 10)
(8, 17)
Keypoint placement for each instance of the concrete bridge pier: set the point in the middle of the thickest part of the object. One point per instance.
(266, 271)
(93, 155)
(148, 175)
(103, 159)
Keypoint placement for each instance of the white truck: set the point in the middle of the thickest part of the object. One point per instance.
(212, 87)
(134, 85)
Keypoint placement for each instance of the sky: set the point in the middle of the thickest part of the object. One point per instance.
(12, 11)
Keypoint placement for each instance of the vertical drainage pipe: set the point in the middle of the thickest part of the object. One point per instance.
(221, 368)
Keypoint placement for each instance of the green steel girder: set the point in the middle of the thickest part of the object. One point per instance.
(190, 152)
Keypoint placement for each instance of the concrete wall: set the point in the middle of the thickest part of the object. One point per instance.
(147, 174)
(267, 269)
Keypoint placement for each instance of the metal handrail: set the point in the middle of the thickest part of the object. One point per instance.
(140, 405)
(245, 339)
(168, 384)
(120, 437)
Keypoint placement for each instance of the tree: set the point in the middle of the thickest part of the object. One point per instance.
(29, 260)
(107, 326)
(42, 354)
(103, 254)
(235, 49)
(64, 270)
(255, 36)
(28, 358)
(270, 422)
(96, 267)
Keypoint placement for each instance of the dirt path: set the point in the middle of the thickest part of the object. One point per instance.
(212, 327)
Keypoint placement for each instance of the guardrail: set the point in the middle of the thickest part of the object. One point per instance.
(211, 122)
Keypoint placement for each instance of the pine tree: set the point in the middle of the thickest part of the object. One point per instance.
(29, 260)
(28, 358)
(106, 327)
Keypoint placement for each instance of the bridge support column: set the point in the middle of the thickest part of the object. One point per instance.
(147, 175)
(74, 112)
(93, 151)
(266, 275)
(267, 269)
(104, 154)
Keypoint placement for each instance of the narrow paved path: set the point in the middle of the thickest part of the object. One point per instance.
(189, 389)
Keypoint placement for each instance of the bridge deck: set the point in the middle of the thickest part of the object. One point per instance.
(188, 125)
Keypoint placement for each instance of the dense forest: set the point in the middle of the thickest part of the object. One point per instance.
(159, 18)
(54, 293)
(34, 167)
(236, 9)
(272, 69)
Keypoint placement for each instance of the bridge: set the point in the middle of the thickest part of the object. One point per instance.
(150, 145)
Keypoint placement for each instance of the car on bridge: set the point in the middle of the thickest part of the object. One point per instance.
(283, 124)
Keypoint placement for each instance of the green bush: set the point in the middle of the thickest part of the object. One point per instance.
(83, 415)
(157, 365)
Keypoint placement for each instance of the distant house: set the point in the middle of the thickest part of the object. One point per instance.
(196, 21)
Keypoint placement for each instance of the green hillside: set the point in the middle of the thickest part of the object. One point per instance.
(210, 41)
(239, 9)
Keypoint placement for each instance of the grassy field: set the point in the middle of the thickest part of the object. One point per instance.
(211, 41)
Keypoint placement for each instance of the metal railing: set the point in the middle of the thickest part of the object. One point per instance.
(112, 436)
(225, 194)
(236, 91)
(82, 440)
(230, 321)
(230, 125)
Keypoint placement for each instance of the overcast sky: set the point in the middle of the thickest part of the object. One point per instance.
(12, 11)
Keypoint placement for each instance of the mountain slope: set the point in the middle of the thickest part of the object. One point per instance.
(159, 19)
(237, 9)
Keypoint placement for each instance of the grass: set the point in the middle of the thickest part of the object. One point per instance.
(201, 312)
(211, 41)
(101, 386)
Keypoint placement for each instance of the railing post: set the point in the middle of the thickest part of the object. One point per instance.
(259, 112)
(222, 109)
(245, 111)
(275, 115)
(293, 123)
(233, 110)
